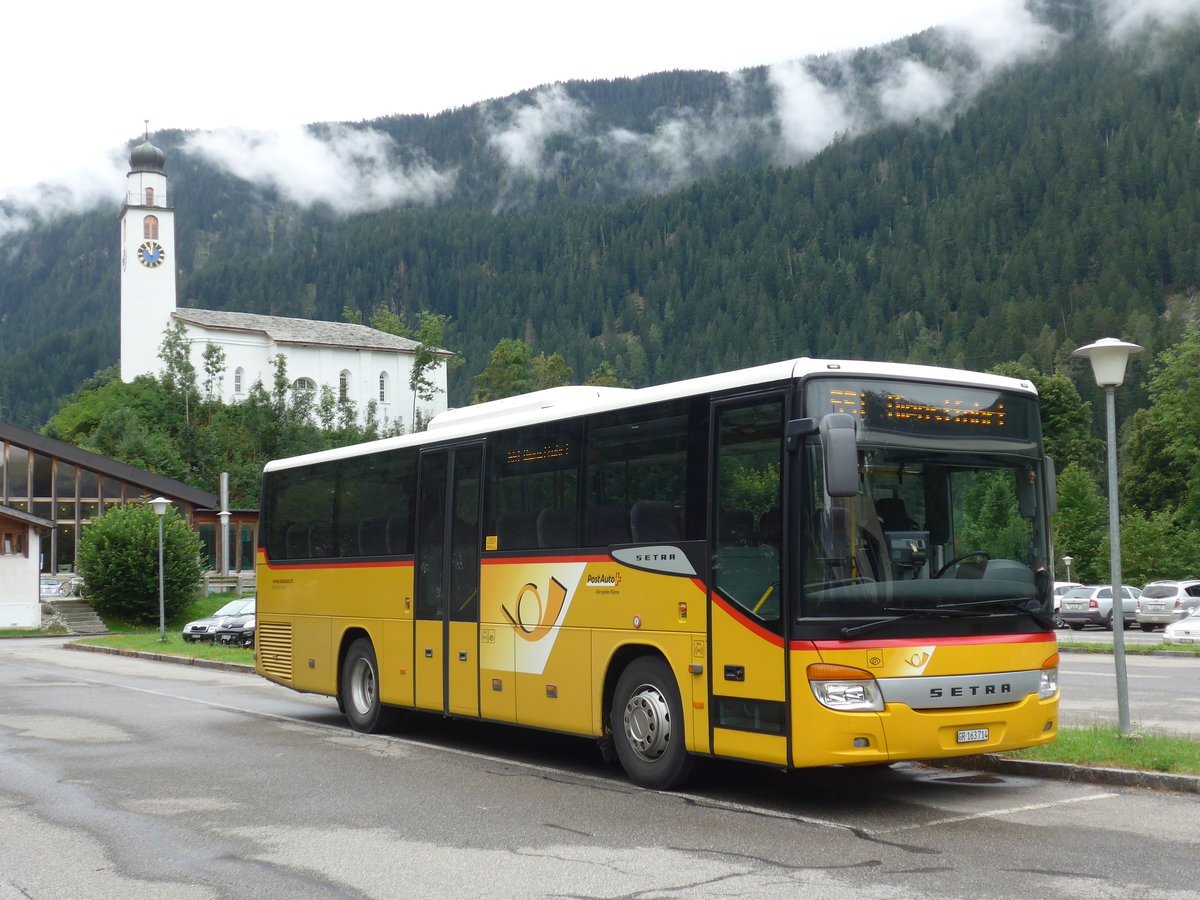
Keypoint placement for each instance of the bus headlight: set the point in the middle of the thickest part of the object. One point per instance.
(1048, 684)
(844, 688)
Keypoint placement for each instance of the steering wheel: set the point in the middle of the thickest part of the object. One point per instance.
(942, 571)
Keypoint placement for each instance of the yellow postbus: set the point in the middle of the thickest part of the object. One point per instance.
(807, 563)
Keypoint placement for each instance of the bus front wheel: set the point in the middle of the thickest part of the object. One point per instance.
(358, 693)
(647, 725)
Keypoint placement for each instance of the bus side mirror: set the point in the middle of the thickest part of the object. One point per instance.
(840, 444)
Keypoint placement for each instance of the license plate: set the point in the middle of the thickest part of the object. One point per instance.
(1156, 606)
(972, 735)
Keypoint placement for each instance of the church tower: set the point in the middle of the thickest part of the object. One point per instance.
(147, 261)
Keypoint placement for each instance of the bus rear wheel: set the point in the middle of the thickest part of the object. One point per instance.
(358, 692)
(647, 725)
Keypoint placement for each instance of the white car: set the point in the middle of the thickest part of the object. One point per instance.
(1060, 588)
(205, 629)
(1185, 631)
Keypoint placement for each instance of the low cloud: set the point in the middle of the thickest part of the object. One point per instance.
(522, 138)
(100, 181)
(810, 114)
(1126, 19)
(1000, 35)
(349, 169)
(912, 91)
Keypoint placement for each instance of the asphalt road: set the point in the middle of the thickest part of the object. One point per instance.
(126, 778)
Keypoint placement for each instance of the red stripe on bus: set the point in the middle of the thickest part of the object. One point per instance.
(542, 560)
(286, 567)
(763, 633)
(961, 641)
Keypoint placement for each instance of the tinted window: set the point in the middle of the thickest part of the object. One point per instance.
(534, 487)
(646, 474)
(375, 504)
(298, 509)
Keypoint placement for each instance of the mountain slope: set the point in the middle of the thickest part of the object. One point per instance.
(676, 225)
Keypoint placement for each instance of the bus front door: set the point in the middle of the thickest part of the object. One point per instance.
(446, 668)
(748, 709)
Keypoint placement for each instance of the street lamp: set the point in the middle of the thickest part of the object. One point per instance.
(1109, 357)
(1067, 560)
(160, 505)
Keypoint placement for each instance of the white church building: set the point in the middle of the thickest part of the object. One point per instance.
(356, 362)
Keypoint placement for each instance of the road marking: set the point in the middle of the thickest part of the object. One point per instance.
(1074, 672)
(993, 813)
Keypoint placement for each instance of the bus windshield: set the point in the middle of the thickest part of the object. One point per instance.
(948, 525)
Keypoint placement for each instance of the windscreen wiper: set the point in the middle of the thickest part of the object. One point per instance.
(936, 612)
(949, 611)
(1015, 603)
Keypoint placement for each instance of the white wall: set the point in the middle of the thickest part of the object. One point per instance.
(20, 602)
(254, 354)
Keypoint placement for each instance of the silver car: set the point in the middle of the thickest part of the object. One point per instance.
(204, 629)
(1092, 605)
(1185, 631)
(1164, 602)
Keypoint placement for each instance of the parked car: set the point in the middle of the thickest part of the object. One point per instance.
(1060, 588)
(204, 629)
(236, 630)
(1185, 631)
(1164, 602)
(1092, 605)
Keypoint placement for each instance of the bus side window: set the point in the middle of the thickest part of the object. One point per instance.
(533, 470)
(648, 463)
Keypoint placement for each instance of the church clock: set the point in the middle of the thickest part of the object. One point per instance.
(151, 254)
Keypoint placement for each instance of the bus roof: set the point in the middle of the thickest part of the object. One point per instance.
(576, 400)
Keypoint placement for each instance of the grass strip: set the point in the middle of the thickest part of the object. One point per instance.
(174, 645)
(1101, 745)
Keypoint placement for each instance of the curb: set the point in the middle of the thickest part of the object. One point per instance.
(162, 657)
(1156, 781)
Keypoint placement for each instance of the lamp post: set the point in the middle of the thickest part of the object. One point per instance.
(1108, 357)
(160, 505)
(1067, 560)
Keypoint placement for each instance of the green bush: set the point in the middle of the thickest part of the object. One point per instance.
(118, 560)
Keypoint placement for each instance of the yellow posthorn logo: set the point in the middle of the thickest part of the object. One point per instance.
(534, 619)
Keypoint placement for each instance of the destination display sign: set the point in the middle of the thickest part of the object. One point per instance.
(914, 408)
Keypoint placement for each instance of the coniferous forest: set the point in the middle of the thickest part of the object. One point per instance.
(985, 213)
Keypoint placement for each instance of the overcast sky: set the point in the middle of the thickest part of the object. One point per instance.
(80, 83)
(79, 78)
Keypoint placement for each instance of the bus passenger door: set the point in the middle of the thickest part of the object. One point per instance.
(748, 705)
(446, 668)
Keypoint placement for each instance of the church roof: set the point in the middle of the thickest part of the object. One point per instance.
(284, 330)
(145, 157)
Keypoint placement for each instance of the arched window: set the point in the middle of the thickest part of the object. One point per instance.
(344, 385)
(239, 379)
(383, 387)
(150, 228)
(150, 202)
(304, 384)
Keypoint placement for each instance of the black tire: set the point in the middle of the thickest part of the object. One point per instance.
(1108, 622)
(358, 690)
(647, 726)
(1058, 621)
